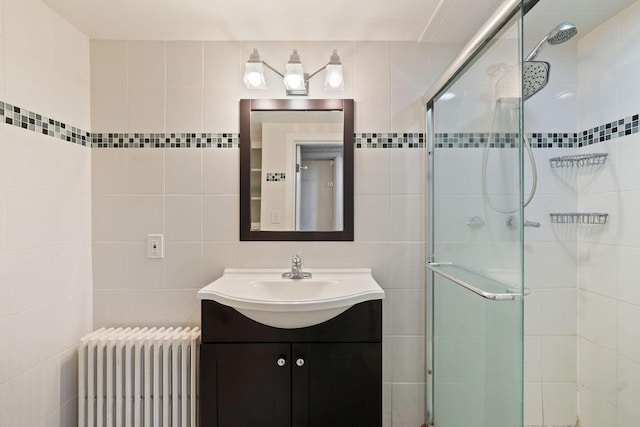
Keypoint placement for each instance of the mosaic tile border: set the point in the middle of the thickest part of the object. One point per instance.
(276, 176)
(28, 120)
(227, 140)
(606, 132)
(609, 131)
(504, 140)
(165, 140)
(389, 140)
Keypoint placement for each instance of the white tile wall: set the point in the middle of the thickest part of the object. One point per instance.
(598, 319)
(145, 215)
(4, 404)
(372, 218)
(609, 312)
(373, 168)
(560, 402)
(628, 176)
(598, 64)
(185, 109)
(559, 359)
(628, 387)
(629, 331)
(533, 404)
(595, 411)
(185, 64)
(145, 171)
(185, 86)
(109, 83)
(4, 346)
(45, 54)
(628, 273)
(45, 203)
(407, 404)
(183, 220)
(597, 370)
(140, 272)
(109, 265)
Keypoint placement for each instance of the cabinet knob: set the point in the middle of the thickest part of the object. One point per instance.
(282, 361)
(300, 361)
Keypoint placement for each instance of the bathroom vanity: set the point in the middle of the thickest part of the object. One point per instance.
(325, 374)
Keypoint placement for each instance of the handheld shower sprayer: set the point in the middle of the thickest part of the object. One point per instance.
(560, 34)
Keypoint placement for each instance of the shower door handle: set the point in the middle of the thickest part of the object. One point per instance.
(440, 268)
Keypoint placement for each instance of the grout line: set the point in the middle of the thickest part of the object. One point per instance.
(128, 100)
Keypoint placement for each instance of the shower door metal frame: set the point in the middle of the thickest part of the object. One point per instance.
(494, 24)
(482, 39)
(430, 249)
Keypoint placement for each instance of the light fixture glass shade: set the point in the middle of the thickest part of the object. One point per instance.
(334, 79)
(294, 77)
(254, 76)
(294, 74)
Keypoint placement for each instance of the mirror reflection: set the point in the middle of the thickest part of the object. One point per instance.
(297, 170)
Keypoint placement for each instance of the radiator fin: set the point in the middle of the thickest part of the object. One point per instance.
(138, 377)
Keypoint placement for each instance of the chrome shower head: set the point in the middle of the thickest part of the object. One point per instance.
(535, 76)
(512, 85)
(560, 34)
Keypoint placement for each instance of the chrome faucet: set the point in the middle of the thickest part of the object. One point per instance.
(296, 272)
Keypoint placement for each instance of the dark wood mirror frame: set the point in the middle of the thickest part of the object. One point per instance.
(249, 105)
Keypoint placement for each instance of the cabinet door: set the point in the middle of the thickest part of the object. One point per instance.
(337, 385)
(243, 385)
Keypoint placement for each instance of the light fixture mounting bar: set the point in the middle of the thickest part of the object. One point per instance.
(272, 69)
(312, 75)
(307, 76)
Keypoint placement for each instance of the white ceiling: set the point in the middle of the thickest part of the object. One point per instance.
(434, 21)
(411, 20)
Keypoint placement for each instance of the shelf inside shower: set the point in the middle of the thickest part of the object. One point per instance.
(578, 160)
(589, 218)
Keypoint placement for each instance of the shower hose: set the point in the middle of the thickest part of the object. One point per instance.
(532, 161)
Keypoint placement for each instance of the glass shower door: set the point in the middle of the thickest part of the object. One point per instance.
(475, 269)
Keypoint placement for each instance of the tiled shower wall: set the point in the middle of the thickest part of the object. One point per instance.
(191, 195)
(608, 295)
(45, 214)
(551, 262)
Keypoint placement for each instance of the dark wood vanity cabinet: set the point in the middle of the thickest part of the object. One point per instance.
(324, 375)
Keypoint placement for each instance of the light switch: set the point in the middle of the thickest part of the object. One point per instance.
(275, 216)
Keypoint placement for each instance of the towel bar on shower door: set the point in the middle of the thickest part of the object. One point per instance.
(438, 268)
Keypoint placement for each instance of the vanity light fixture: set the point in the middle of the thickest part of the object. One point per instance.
(296, 81)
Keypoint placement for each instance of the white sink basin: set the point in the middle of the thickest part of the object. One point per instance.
(262, 295)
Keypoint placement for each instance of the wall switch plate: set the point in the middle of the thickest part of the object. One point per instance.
(275, 216)
(155, 246)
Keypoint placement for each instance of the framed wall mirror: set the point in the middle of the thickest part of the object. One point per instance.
(296, 169)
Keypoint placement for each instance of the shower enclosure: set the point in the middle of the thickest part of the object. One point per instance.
(475, 253)
(533, 199)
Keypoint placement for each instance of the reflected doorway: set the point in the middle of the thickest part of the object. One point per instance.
(318, 192)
